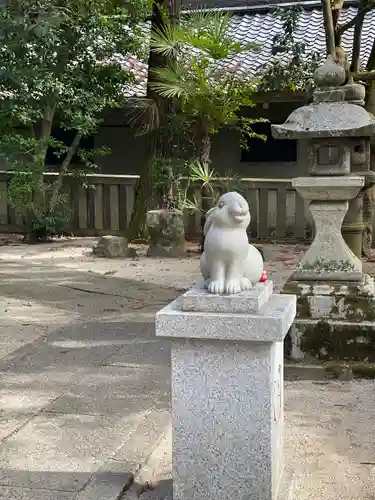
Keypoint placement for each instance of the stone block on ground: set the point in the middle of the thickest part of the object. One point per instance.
(167, 233)
(113, 247)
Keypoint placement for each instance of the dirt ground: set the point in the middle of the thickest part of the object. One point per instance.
(180, 274)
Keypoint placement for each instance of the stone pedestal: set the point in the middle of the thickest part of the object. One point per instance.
(227, 393)
(328, 257)
(167, 233)
(353, 226)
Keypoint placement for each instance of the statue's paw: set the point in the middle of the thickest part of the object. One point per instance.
(233, 286)
(216, 286)
(245, 284)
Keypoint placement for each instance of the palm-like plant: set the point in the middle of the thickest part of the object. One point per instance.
(201, 75)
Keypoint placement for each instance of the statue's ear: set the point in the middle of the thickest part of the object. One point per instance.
(208, 222)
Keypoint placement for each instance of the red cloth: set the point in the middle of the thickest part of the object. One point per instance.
(264, 277)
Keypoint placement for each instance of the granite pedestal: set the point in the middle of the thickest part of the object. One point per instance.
(227, 393)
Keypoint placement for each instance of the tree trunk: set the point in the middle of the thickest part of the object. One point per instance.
(157, 147)
(329, 27)
(203, 153)
(142, 194)
(367, 212)
(63, 169)
(38, 202)
(202, 141)
(44, 132)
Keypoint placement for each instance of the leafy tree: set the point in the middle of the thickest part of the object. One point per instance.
(293, 63)
(60, 62)
(201, 76)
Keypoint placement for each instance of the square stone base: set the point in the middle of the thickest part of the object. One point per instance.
(334, 320)
(328, 340)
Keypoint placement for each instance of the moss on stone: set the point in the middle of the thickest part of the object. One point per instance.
(317, 339)
(361, 369)
(359, 308)
(321, 265)
(348, 305)
(303, 307)
(330, 341)
(364, 370)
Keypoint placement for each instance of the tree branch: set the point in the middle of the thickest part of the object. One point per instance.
(371, 60)
(354, 21)
(328, 27)
(63, 168)
(357, 38)
(366, 75)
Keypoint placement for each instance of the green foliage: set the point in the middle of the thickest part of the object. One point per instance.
(56, 224)
(201, 74)
(59, 63)
(292, 66)
(202, 175)
(166, 180)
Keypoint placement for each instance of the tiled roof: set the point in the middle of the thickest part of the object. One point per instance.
(140, 70)
(231, 4)
(260, 27)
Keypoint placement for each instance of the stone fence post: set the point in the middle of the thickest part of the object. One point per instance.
(227, 393)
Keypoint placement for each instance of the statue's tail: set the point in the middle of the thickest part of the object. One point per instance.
(254, 265)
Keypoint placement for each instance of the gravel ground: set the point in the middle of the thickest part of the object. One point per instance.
(330, 439)
(329, 443)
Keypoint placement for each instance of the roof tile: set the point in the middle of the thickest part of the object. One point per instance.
(261, 27)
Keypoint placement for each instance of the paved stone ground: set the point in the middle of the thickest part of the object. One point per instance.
(84, 387)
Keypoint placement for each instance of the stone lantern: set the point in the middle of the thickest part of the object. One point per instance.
(360, 164)
(334, 296)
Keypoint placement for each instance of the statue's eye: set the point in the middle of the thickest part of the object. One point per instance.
(221, 204)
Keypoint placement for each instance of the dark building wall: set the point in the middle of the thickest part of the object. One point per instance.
(129, 152)
(226, 152)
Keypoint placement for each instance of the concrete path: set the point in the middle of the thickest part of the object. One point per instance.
(84, 391)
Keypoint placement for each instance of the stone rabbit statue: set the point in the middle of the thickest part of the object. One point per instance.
(229, 264)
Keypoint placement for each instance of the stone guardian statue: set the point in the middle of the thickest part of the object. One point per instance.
(229, 264)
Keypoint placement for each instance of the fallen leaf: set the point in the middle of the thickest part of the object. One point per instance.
(137, 304)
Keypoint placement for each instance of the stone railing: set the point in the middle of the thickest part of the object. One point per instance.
(278, 213)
